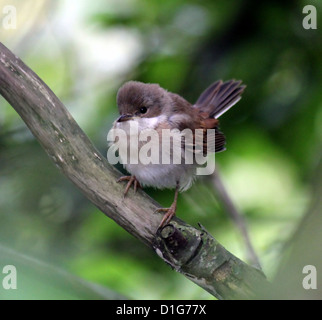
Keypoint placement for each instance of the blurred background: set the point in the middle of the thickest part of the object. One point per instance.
(84, 50)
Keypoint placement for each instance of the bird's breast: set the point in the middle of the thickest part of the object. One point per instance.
(144, 153)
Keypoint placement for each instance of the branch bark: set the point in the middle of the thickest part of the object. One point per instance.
(191, 251)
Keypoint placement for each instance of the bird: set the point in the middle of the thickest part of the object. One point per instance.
(150, 108)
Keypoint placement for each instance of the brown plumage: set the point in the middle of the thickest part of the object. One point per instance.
(153, 107)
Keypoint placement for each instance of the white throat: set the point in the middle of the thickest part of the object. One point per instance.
(142, 123)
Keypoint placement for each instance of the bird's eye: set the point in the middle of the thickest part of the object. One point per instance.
(143, 109)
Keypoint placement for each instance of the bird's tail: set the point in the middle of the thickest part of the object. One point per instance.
(220, 97)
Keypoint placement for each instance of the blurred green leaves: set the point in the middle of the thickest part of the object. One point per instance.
(84, 54)
(38, 280)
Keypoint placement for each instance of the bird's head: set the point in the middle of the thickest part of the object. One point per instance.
(137, 100)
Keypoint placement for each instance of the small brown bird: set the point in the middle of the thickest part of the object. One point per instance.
(152, 108)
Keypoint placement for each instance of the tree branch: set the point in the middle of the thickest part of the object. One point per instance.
(190, 251)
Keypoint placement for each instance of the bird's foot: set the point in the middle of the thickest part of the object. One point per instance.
(169, 213)
(131, 180)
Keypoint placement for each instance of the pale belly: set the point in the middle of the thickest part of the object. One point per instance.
(158, 174)
(163, 175)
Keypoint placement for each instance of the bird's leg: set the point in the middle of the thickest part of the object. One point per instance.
(131, 180)
(169, 212)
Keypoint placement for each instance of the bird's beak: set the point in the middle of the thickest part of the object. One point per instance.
(124, 117)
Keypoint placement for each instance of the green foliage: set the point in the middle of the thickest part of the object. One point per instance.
(273, 134)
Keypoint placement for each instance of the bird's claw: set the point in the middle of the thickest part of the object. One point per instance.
(169, 214)
(131, 180)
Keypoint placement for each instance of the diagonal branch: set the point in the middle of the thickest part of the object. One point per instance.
(190, 251)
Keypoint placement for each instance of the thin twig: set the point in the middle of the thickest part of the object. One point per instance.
(236, 217)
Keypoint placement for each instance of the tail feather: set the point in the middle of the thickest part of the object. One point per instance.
(220, 97)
